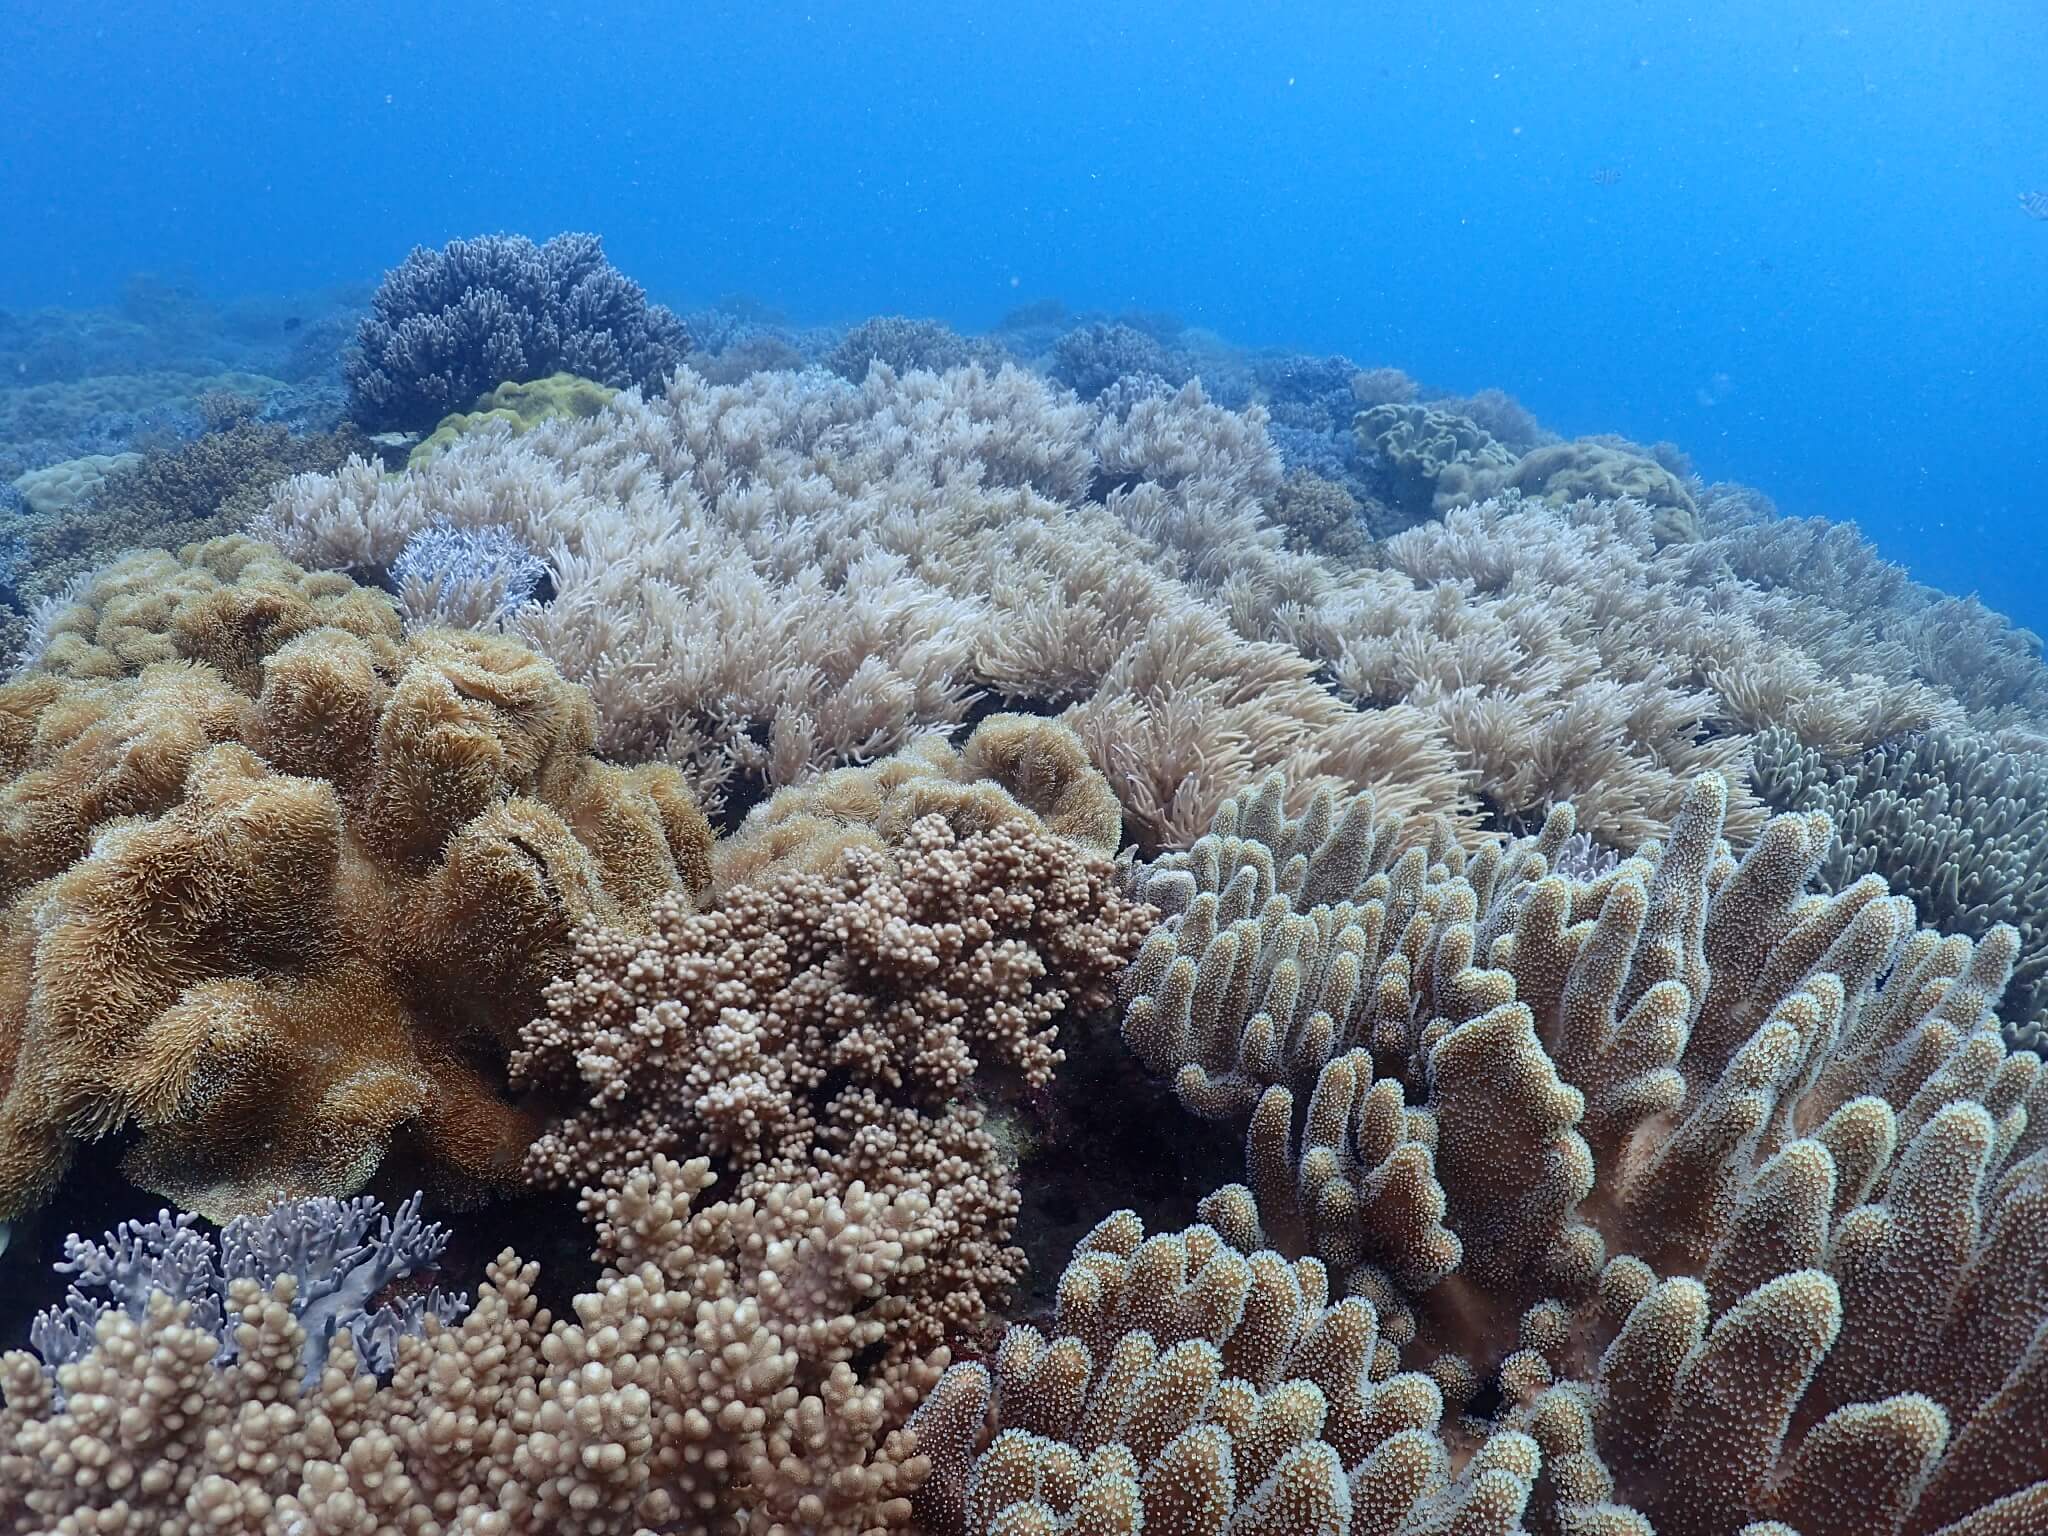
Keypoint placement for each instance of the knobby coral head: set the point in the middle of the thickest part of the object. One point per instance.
(283, 884)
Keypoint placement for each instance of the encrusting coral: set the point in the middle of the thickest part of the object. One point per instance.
(707, 1383)
(1700, 1200)
(845, 1024)
(1011, 768)
(280, 886)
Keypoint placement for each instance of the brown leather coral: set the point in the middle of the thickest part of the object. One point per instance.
(281, 886)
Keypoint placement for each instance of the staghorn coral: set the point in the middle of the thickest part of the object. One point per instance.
(446, 325)
(1727, 1197)
(280, 885)
(843, 1027)
(707, 1383)
(1945, 818)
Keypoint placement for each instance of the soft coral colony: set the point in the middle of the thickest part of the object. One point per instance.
(1556, 1188)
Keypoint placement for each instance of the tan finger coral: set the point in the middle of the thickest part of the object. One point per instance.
(1726, 1194)
(707, 1383)
(282, 886)
(844, 1027)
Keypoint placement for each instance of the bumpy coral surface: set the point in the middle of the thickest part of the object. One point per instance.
(842, 1028)
(1701, 1200)
(280, 885)
(707, 1384)
(1012, 768)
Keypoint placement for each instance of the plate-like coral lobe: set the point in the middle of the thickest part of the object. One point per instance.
(281, 885)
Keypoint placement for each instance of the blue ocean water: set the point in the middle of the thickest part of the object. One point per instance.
(1788, 238)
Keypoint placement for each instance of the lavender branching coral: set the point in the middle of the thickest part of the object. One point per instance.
(1702, 1200)
(340, 1254)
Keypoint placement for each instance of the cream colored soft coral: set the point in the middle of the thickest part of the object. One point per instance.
(713, 1381)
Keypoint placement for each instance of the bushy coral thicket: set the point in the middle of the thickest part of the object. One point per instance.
(1357, 802)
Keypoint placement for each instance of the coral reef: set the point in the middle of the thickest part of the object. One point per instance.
(447, 325)
(1946, 818)
(1866, 607)
(342, 1255)
(519, 407)
(281, 886)
(844, 1028)
(1698, 1200)
(817, 571)
(763, 581)
(706, 1383)
(168, 498)
(904, 344)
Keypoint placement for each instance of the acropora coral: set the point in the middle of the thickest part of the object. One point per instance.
(281, 885)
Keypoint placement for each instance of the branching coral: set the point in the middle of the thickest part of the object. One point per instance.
(708, 1383)
(1947, 819)
(342, 1256)
(842, 1028)
(1724, 1198)
(280, 886)
(446, 325)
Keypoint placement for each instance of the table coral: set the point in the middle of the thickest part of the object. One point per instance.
(281, 884)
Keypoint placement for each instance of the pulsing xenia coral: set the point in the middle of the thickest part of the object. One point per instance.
(340, 1256)
(1698, 1201)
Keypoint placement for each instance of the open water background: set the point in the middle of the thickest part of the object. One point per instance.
(1785, 236)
